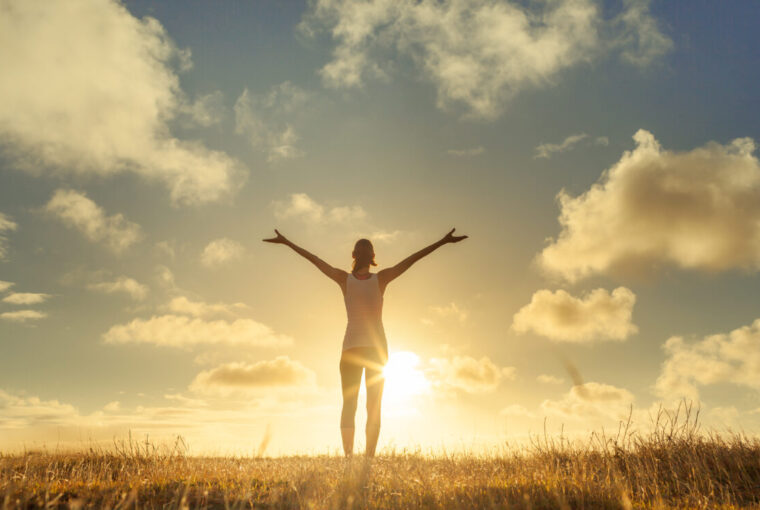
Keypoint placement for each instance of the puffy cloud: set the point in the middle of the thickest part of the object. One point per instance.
(474, 151)
(206, 424)
(698, 209)
(76, 210)
(384, 236)
(591, 400)
(559, 316)
(302, 206)
(478, 53)
(281, 372)
(722, 358)
(23, 315)
(724, 416)
(18, 411)
(121, 284)
(182, 305)
(467, 374)
(97, 99)
(450, 310)
(26, 298)
(638, 36)
(207, 110)
(549, 379)
(6, 225)
(221, 251)
(165, 277)
(180, 331)
(105, 282)
(166, 248)
(258, 117)
(5, 285)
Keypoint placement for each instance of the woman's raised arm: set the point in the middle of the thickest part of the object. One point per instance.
(388, 275)
(332, 272)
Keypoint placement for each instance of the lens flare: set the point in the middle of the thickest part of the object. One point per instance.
(403, 378)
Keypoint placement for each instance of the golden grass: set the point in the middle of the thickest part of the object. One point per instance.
(673, 466)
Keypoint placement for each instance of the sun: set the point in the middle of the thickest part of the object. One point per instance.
(403, 378)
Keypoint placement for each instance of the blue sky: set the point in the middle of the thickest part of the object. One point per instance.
(142, 164)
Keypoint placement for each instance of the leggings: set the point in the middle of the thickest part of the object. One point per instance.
(353, 361)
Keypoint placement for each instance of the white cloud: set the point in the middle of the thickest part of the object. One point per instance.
(638, 36)
(474, 151)
(165, 277)
(467, 374)
(450, 310)
(89, 89)
(383, 236)
(478, 53)
(166, 248)
(76, 210)
(281, 372)
(5, 285)
(23, 315)
(721, 358)
(549, 379)
(221, 251)
(112, 407)
(180, 331)
(207, 110)
(6, 225)
(259, 118)
(696, 210)
(724, 416)
(121, 284)
(545, 150)
(207, 424)
(26, 298)
(17, 411)
(601, 140)
(591, 400)
(559, 316)
(182, 305)
(303, 207)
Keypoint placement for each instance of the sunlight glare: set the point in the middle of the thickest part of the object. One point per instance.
(403, 379)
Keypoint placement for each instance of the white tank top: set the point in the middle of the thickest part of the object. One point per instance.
(364, 308)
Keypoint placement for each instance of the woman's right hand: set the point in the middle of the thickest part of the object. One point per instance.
(279, 239)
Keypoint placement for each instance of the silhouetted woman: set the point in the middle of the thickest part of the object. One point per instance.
(365, 347)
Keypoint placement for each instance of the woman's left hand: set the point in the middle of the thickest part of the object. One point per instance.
(450, 238)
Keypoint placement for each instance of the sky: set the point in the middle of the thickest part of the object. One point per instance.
(600, 155)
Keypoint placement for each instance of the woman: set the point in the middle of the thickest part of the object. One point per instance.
(365, 347)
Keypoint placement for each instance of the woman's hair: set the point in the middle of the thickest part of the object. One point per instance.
(364, 254)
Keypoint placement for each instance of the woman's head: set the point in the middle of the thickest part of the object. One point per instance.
(363, 254)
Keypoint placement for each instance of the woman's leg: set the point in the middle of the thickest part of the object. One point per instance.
(374, 382)
(350, 379)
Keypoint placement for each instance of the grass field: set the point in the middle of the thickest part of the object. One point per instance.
(673, 466)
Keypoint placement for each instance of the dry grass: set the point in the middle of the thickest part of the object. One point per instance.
(673, 466)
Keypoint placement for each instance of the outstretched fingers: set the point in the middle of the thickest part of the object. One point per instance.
(279, 238)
